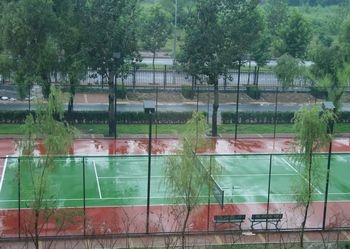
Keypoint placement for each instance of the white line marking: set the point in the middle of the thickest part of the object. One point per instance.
(98, 182)
(3, 173)
(132, 177)
(251, 175)
(284, 160)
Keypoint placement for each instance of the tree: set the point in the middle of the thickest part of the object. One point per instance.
(70, 37)
(28, 26)
(276, 12)
(287, 70)
(260, 50)
(155, 28)
(182, 171)
(295, 36)
(5, 65)
(57, 138)
(111, 42)
(219, 35)
(311, 136)
(331, 70)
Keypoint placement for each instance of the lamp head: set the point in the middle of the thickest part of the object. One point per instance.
(149, 106)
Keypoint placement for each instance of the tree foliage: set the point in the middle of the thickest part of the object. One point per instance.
(219, 35)
(182, 172)
(155, 28)
(56, 137)
(287, 70)
(294, 37)
(276, 12)
(331, 70)
(110, 31)
(311, 136)
(28, 26)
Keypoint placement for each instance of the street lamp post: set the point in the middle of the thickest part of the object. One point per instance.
(327, 105)
(149, 107)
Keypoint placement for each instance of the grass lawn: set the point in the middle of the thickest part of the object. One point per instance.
(173, 129)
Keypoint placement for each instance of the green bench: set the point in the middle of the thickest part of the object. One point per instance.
(267, 218)
(237, 218)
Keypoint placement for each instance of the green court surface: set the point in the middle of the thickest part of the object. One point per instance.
(94, 181)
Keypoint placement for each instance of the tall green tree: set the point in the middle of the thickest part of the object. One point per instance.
(6, 65)
(219, 35)
(57, 137)
(331, 70)
(182, 172)
(111, 42)
(155, 29)
(71, 39)
(294, 36)
(28, 28)
(311, 136)
(287, 70)
(260, 51)
(276, 12)
(331, 73)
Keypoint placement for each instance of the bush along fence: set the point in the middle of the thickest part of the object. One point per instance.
(101, 117)
(269, 117)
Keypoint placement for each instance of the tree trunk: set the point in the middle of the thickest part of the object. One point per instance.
(36, 228)
(46, 86)
(257, 76)
(154, 67)
(214, 80)
(188, 211)
(303, 224)
(111, 107)
(71, 97)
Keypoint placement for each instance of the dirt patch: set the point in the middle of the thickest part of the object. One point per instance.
(203, 97)
(176, 97)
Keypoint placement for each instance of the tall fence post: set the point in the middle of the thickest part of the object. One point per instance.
(165, 77)
(84, 198)
(19, 196)
(268, 190)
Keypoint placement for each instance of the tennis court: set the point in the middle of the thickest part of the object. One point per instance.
(105, 181)
(120, 180)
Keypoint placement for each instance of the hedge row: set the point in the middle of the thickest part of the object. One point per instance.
(257, 117)
(269, 117)
(101, 117)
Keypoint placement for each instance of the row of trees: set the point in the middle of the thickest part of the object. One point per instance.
(42, 38)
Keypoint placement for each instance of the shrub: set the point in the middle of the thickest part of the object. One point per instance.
(257, 117)
(253, 91)
(187, 92)
(319, 93)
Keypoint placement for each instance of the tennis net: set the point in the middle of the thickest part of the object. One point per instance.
(217, 191)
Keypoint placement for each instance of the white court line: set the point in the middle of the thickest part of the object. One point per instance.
(250, 175)
(132, 177)
(98, 182)
(3, 173)
(284, 160)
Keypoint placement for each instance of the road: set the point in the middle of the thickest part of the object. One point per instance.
(178, 107)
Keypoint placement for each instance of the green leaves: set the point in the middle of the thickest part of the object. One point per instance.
(287, 70)
(295, 36)
(155, 28)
